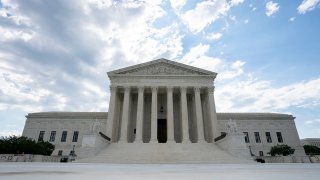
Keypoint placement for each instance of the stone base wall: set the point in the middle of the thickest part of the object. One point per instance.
(315, 159)
(28, 158)
(285, 159)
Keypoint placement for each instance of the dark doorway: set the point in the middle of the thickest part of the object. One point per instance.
(162, 130)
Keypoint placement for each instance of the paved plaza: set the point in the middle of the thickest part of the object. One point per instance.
(48, 171)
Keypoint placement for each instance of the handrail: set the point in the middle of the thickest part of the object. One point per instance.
(104, 136)
(223, 135)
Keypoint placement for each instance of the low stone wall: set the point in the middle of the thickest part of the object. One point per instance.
(28, 158)
(285, 159)
(315, 159)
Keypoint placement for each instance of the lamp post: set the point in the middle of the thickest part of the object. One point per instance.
(72, 154)
(250, 151)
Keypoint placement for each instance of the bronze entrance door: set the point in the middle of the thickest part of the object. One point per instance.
(162, 130)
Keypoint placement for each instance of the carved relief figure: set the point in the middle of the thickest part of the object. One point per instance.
(231, 127)
(95, 126)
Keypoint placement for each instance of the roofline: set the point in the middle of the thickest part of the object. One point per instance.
(114, 72)
(254, 116)
(57, 114)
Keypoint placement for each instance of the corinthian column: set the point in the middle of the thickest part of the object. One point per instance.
(184, 115)
(199, 114)
(212, 113)
(170, 122)
(139, 134)
(111, 113)
(154, 115)
(125, 115)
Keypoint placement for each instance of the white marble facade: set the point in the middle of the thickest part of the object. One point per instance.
(162, 102)
(165, 93)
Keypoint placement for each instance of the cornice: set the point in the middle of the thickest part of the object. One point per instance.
(182, 67)
(69, 115)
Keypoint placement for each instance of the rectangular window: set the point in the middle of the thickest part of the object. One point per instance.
(260, 153)
(41, 135)
(52, 136)
(257, 137)
(60, 153)
(64, 136)
(268, 136)
(279, 136)
(246, 137)
(75, 136)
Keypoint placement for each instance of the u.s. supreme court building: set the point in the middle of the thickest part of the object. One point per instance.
(163, 112)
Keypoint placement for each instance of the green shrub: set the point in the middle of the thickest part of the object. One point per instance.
(19, 145)
(311, 150)
(281, 149)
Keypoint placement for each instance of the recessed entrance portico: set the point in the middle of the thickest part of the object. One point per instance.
(164, 101)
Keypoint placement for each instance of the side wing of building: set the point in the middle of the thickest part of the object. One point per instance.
(264, 130)
(63, 129)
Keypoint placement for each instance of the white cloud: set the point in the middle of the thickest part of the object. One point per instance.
(272, 8)
(197, 56)
(252, 7)
(259, 95)
(310, 122)
(236, 2)
(205, 13)
(246, 21)
(292, 19)
(6, 133)
(307, 5)
(10, 34)
(69, 63)
(233, 18)
(214, 36)
(177, 4)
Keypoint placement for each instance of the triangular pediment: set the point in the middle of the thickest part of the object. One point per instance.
(161, 67)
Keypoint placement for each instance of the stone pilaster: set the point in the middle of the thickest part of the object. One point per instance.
(139, 128)
(184, 115)
(125, 115)
(111, 113)
(154, 115)
(170, 120)
(199, 114)
(212, 113)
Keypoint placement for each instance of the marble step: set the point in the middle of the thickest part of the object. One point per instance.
(164, 153)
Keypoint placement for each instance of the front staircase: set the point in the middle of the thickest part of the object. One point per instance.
(163, 153)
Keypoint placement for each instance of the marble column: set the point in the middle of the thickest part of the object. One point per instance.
(111, 113)
(125, 115)
(170, 123)
(139, 126)
(154, 115)
(184, 115)
(212, 113)
(199, 117)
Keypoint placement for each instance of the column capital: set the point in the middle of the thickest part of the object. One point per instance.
(154, 88)
(113, 88)
(197, 89)
(169, 88)
(127, 88)
(183, 89)
(141, 89)
(211, 89)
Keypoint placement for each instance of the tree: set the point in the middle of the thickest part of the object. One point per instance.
(281, 149)
(311, 150)
(18, 145)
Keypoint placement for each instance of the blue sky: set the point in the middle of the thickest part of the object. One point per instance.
(54, 55)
